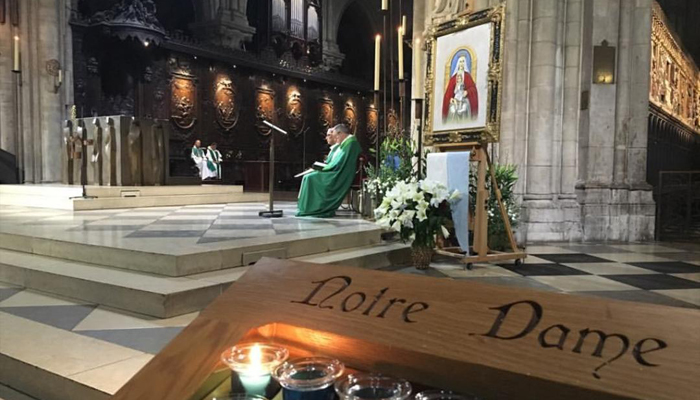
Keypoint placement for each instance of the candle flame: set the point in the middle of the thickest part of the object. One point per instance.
(378, 37)
(16, 38)
(255, 357)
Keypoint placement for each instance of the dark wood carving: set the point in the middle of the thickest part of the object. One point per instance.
(350, 116)
(182, 102)
(265, 108)
(393, 123)
(372, 124)
(325, 114)
(295, 110)
(225, 102)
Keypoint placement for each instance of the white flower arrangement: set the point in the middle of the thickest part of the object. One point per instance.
(418, 211)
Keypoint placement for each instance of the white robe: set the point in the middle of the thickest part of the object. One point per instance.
(214, 157)
(199, 161)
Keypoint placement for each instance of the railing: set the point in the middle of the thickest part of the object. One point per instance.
(678, 206)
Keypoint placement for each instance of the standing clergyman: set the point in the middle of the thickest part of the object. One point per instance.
(213, 163)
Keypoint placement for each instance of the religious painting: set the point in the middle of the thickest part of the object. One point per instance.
(350, 116)
(295, 110)
(265, 108)
(325, 114)
(463, 86)
(182, 102)
(372, 123)
(225, 102)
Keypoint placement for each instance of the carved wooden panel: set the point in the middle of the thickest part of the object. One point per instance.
(325, 114)
(265, 108)
(675, 79)
(372, 124)
(295, 110)
(183, 102)
(393, 129)
(225, 102)
(350, 116)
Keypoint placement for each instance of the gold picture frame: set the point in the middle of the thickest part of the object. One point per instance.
(463, 85)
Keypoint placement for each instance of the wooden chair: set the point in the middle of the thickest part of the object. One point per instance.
(356, 185)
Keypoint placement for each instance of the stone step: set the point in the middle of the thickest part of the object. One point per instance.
(142, 293)
(64, 197)
(381, 255)
(154, 295)
(183, 261)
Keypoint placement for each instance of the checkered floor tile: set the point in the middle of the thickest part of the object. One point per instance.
(667, 274)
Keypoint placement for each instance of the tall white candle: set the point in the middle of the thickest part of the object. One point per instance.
(377, 60)
(15, 59)
(403, 24)
(400, 45)
(385, 5)
(418, 69)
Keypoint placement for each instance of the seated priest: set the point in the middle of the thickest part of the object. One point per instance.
(198, 157)
(322, 192)
(213, 163)
(331, 140)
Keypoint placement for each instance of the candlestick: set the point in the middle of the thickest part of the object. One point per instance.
(15, 59)
(377, 59)
(385, 5)
(403, 25)
(400, 44)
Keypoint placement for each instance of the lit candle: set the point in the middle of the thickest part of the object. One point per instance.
(400, 39)
(255, 378)
(377, 59)
(253, 364)
(385, 5)
(417, 69)
(15, 65)
(403, 24)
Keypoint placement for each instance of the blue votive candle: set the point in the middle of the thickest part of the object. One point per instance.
(372, 387)
(308, 378)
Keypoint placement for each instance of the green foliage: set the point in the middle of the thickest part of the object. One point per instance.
(395, 155)
(506, 175)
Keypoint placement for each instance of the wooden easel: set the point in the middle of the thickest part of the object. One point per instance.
(480, 248)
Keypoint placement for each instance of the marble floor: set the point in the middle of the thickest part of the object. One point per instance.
(100, 348)
(175, 230)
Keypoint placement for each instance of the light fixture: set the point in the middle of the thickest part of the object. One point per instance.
(146, 43)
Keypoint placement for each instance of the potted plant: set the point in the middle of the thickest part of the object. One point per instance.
(419, 212)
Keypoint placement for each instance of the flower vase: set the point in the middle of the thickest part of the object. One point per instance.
(421, 256)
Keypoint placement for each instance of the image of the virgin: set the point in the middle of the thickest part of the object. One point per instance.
(460, 99)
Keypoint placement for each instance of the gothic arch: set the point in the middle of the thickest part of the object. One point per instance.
(333, 11)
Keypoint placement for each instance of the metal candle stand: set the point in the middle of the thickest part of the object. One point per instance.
(271, 212)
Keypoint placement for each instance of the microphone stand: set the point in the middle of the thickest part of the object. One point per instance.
(271, 212)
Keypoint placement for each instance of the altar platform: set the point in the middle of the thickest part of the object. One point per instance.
(168, 261)
(68, 197)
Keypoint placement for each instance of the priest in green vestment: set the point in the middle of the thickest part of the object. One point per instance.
(322, 192)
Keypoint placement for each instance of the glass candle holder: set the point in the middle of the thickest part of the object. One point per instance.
(240, 396)
(309, 378)
(372, 387)
(443, 395)
(253, 364)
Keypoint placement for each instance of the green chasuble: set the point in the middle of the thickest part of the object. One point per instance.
(322, 192)
(331, 153)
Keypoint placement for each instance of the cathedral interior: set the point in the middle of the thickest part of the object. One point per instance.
(188, 187)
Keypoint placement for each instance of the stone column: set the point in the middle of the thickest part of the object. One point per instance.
(622, 100)
(572, 90)
(506, 145)
(541, 98)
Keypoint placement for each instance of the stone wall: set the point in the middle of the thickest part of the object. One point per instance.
(580, 146)
(32, 103)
